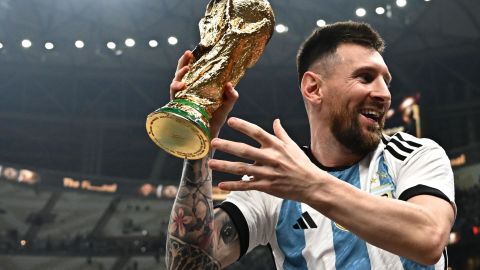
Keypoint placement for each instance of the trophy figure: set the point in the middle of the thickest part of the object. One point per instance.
(233, 34)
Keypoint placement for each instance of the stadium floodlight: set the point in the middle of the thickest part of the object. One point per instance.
(153, 43)
(111, 45)
(129, 42)
(321, 23)
(79, 44)
(380, 10)
(401, 3)
(172, 41)
(360, 12)
(26, 43)
(1, 45)
(281, 28)
(49, 45)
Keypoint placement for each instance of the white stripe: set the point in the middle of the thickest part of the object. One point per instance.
(319, 253)
(381, 259)
(277, 253)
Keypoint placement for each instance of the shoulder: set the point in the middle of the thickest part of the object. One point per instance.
(401, 147)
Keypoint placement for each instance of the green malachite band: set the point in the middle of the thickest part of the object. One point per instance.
(193, 105)
(189, 117)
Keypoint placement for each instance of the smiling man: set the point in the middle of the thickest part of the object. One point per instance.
(353, 199)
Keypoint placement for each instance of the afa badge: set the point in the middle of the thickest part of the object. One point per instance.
(383, 190)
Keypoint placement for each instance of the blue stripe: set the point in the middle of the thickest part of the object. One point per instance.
(291, 241)
(350, 251)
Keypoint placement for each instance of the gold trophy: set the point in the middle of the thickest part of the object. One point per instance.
(233, 34)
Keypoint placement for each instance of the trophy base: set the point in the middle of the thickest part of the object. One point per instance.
(179, 133)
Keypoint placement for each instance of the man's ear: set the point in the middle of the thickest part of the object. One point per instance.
(311, 87)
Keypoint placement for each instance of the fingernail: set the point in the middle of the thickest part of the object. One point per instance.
(223, 186)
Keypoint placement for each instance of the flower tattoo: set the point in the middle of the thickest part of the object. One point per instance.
(179, 220)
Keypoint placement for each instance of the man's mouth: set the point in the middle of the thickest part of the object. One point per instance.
(374, 115)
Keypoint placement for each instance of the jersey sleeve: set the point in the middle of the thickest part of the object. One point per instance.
(427, 172)
(255, 211)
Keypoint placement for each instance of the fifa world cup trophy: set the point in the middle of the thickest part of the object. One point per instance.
(233, 34)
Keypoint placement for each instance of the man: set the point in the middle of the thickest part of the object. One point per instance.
(354, 199)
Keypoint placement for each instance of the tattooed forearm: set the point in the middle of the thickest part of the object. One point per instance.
(191, 221)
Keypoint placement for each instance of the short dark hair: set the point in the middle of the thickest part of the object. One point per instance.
(324, 41)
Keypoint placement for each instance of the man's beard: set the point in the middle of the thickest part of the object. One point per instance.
(346, 128)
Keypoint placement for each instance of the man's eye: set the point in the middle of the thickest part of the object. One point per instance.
(366, 77)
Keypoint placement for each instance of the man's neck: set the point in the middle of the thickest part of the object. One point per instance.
(330, 152)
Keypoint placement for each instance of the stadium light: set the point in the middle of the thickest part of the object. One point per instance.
(401, 3)
(49, 45)
(361, 12)
(172, 41)
(129, 42)
(111, 45)
(281, 28)
(380, 10)
(1, 45)
(321, 23)
(153, 43)
(79, 44)
(26, 43)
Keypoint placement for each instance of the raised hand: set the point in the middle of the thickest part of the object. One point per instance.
(280, 167)
(230, 95)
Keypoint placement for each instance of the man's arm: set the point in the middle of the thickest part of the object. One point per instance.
(199, 237)
(417, 229)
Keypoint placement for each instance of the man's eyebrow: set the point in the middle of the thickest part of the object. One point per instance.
(387, 76)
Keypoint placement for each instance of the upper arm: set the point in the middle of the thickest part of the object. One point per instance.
(225, 239)
(440, 210)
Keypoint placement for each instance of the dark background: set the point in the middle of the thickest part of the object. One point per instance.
(82, 111)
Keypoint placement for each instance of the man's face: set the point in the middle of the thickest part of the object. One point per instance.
(357, 97)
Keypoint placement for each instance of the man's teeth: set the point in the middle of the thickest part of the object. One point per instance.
(372, 114)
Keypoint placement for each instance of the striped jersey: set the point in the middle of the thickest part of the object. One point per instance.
(401, 167)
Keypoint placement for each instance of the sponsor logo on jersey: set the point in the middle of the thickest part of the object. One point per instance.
(305, 222)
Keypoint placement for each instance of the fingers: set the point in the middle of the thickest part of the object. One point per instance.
(180, 73)
(184, 59)
(251, 130)
(230, 97)
(176, 86)
(238, 168)
(241, 150)
(182, 69)
(280, 132)
(242, 185)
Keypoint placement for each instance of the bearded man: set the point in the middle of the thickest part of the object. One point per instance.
(353, 199)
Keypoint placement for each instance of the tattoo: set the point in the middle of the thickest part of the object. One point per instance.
(228, 232)
(191, 221)
(185, 256)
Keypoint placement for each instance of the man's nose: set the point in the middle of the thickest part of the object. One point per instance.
(380, 91)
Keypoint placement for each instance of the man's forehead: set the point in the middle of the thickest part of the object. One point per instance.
(359, 56)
